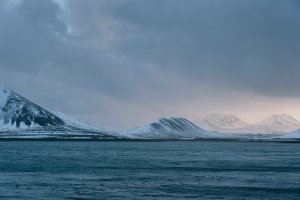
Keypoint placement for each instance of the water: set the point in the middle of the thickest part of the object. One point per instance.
(149, 170)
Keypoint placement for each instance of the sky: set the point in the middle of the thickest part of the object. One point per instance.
(123, 63)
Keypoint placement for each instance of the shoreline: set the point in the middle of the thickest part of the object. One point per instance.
(107, 139)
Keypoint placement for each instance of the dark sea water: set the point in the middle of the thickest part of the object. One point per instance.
(149, 170)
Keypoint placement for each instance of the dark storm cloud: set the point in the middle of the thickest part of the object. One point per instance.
(34, 40)
(27, 34)
(98, 59)
(252, 45)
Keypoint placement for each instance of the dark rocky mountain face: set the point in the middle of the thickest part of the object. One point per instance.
(18, 112)
(174, 124)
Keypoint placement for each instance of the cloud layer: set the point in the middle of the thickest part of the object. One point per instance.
(124, 62)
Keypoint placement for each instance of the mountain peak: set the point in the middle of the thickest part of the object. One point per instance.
(282, 118)
(221, 122)
(17, 112)
(4, 89)
(275, 124)
(4, 94)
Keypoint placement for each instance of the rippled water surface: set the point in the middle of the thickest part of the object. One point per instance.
(149, 170)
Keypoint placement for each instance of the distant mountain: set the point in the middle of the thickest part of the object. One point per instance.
(276, 124)
(18, 115)
(170, 128)
(226, 123)
(221, 123)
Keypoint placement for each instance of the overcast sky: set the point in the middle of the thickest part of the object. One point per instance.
(122, 63)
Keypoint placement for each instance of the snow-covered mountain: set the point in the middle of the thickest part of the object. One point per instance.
(16, 112)
(226, 123)
(221, 123)
(170, 128)
(276, 124)
(18, 115)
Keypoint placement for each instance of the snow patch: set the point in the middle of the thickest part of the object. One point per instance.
(4, 94)
(292, 135)
(70, 120)
(221, 122)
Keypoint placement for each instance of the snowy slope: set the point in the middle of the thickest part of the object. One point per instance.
(72, 121)
(73, 124)
(221, 123)
(170, 128)
(292, 135)
(276, 124)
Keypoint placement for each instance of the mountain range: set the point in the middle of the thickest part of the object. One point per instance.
(21, 117)
(226, 123)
